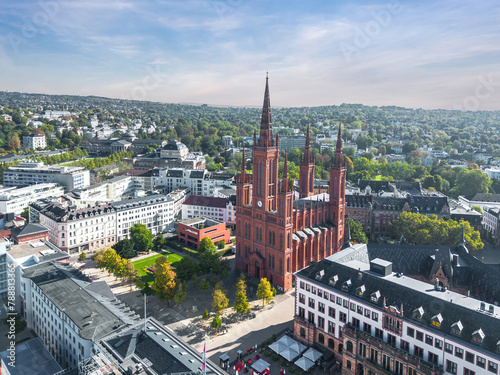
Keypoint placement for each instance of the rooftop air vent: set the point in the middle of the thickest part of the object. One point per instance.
(381, 267)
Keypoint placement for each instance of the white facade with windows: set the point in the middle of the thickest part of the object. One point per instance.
(16, 200)
(27, 174)
(66, 316)
(156, 212)
(462, 337)
(34, 142)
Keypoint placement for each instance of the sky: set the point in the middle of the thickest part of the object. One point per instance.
(416, 54)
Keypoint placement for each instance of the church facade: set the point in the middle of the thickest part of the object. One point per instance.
(276, 233)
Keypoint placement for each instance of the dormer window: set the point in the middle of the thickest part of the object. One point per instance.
(333, 280)
(437, 320)
(478, 336)
(498, 346)
(360, 290)
(375, 296)
(456, 328)
(346, 285)
(418, 313)
(320, 274)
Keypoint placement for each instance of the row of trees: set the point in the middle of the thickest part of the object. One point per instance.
(429, 230)
(116, 265)
(104, 161)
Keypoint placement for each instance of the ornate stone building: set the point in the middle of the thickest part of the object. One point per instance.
(276, 234)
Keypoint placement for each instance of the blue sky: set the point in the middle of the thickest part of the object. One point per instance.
(428, 54)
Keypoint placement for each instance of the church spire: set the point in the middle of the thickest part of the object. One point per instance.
(266, 132)
(243, 166)
(266, 108)
(285, 168)
(307, 148)
(338, 149)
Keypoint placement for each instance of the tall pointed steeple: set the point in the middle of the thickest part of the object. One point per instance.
(338, 149)
(285, 167)
(243, 166)
(266, 127)
(307, 148)
(266, 108)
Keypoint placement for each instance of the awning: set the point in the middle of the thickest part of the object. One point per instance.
(312, 354)
(304, 363)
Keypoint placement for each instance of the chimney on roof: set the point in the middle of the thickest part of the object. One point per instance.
(455, 259)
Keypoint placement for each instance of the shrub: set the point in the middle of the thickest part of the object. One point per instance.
(274, 356)
(273, 289)
(282, 362)
(205, 315)
(82, 256)
(221, 244)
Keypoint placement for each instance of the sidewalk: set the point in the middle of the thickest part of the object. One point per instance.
(252, 332)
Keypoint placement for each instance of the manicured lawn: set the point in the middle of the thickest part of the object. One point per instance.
(146, 262)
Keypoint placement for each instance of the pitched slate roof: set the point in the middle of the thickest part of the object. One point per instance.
(406, 293)
(200, 200)
(28, 229)
(92, 318)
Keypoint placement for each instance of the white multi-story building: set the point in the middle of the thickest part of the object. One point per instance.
(493, 172)
(114, 189)
(27, 174)
(95, 227)
(156, 212)
(378, 321)
(221, 209)
(16, 200)
(179, 196)
(66, 313)
(34, 142)
(199, 182)
(84, 229)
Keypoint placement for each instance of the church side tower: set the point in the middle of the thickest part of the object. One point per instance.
(306, 178)
(265, 162)
(337, 194)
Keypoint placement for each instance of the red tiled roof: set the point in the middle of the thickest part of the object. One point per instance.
(200, 200)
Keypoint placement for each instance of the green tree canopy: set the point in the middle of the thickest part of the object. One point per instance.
(219, 301)
(429, 230)
(164, 283)
(141, 237)
(264, 291)
(357, 233)
(470, 182)
(206, 245)
(125, 248)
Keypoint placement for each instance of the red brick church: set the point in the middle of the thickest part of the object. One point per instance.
(277, 234)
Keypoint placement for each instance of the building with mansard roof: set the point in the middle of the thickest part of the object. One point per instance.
(402, 309)
(276, 234)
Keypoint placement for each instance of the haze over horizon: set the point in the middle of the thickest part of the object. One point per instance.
(440, 54)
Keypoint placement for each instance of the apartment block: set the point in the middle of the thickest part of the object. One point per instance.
(401, 310)
(27, 174)
(15, 200)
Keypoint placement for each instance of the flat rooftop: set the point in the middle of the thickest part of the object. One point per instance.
(32, 358)
(78, 298)
(38, 248)
(157, 349)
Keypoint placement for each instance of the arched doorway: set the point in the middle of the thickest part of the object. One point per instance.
(246, 268)
(257, 270)
(271, 279)
(359, 369)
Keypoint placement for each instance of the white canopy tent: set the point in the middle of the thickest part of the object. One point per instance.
(304, 363)
(288, 348)
(312, 354)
